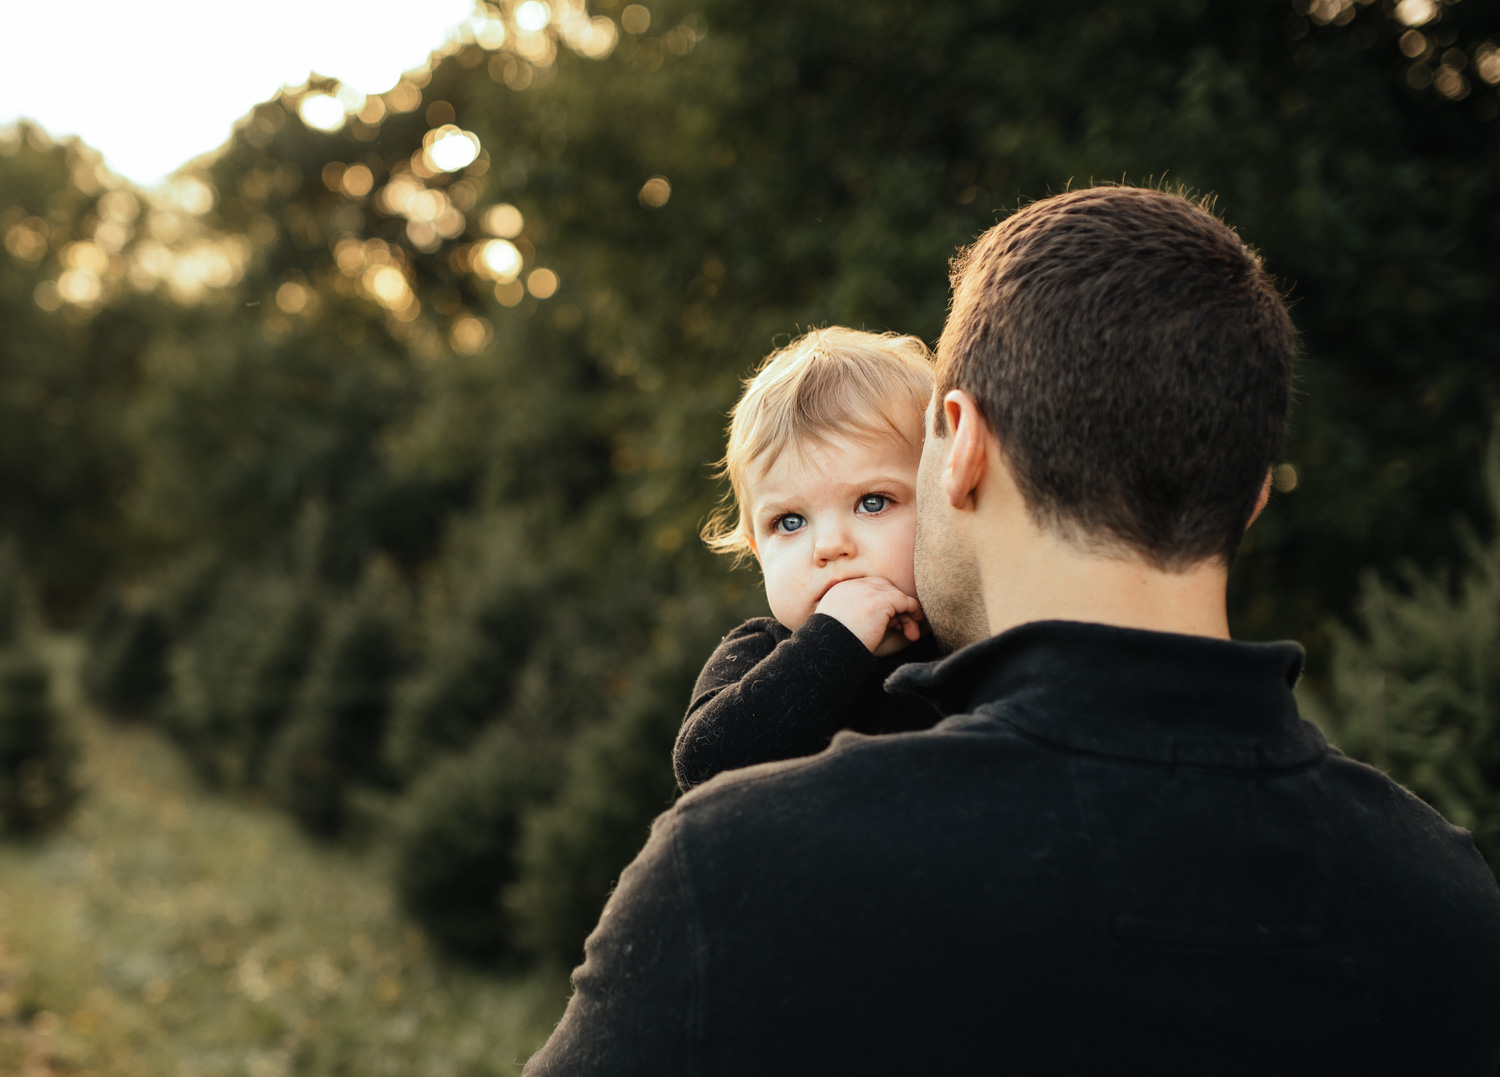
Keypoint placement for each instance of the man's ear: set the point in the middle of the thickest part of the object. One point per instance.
(1260, 502)
(968, 458)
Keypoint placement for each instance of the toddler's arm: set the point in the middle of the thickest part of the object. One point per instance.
(759, 700)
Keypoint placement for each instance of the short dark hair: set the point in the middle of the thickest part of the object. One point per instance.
(1134, 359)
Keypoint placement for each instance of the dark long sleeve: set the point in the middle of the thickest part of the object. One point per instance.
(768, 693)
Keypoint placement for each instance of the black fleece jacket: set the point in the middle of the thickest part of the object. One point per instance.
(1122, 853)
(769, 693)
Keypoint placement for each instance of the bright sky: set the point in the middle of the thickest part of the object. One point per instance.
(153, 83)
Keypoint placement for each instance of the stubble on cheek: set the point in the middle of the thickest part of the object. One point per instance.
(947, 583)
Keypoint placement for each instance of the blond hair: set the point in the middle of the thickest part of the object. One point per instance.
(829, 384)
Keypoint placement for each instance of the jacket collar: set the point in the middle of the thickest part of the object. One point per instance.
(1148, 696)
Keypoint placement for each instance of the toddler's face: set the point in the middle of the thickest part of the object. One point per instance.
(824, 515)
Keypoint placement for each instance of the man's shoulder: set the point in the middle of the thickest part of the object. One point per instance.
(1378, 810)
(857, 772)
(1014, 786)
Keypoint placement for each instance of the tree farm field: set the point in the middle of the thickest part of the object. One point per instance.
(168, 932)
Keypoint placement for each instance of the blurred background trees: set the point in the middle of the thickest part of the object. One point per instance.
(379, 451)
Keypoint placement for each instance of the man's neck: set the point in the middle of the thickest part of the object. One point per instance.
(1047, 578)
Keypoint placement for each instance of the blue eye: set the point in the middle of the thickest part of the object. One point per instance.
(789, 523)
(874, 503)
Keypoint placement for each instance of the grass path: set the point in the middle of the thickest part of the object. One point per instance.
(166, 932)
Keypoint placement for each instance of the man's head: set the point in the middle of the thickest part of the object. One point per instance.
(1132, 359)
(830, 387)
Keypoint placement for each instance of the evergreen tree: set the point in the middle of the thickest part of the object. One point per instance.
(469, 677)
(212, 674)
(125, 663)
(12, 596)
(333, 739)
(1415, 690)
(456, 844)
(617, 776)
(276, 665)
(70, 362)
(38, 759)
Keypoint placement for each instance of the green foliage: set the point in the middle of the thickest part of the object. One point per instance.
(66, 376)
(276, 663)
(125, 665)
(12, 596)
(456, 845)
(236, 670)
(1416, 690)
(38, 757)
(616, 778)
(334, 737)
(469, 676)
(240, 437)
(38, 786)
(203, 667)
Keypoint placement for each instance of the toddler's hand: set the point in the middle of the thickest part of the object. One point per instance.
(884, 617)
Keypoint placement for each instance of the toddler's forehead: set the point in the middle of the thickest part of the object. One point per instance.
(806, 460)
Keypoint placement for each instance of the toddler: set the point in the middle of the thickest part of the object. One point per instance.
(822, 467)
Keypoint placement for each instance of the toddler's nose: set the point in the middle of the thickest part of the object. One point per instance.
(833, 543)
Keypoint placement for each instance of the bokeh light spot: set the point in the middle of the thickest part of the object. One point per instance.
(1416, 12)
(598, 38)
(655, 192)
(449, 149)
(404, 98)
(89, 257)
(321, 111)
(79, 287)
(1413, 44)
(388, 285)
(636, 19)
(532, 16)
(487, 32)
(499, 260)
(1450, 83)
(291, 297)
(542, 283)
(349, 254)
(469, 335)
(540, 49)
(372, 112)
(27, 239)
(503, 220)
(358, 180)
(1487, 63)
(192, 195)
